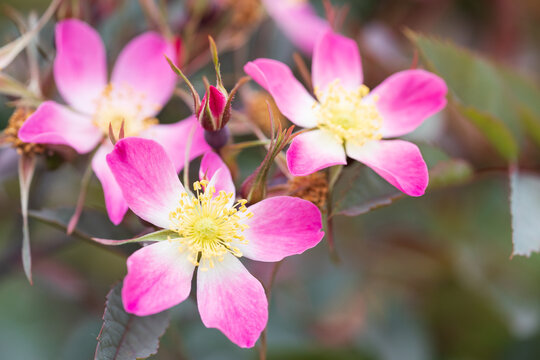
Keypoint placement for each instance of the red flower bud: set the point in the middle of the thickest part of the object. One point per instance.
(213, 113)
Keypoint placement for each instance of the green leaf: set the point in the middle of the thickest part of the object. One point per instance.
(495, 130)
(359, 190)
(480, 87)
(449, 172)
(126, 336)
(531, 123)
(160, 235)
(525, 210)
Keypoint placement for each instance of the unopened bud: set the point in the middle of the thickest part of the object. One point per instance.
(214, 113)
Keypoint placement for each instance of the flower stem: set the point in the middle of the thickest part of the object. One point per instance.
(82, 197)
(333, 174)
(263, 348)
(248, 144)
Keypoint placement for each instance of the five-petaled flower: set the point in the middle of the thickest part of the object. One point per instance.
(141, 83)
(211, 231)
(349, 120)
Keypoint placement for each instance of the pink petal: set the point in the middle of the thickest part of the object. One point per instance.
(114, 199)
(313, 151)
(407, 98)
(80, 66)
(147, 178)
(217, 102)
(290, 96)
(336, 57)
(143, 66)
(174, 138)
(399, 162)
(55, 124)
(299, 21)
(159, 277)
(214, 169)
(232, 300)
(281, 226)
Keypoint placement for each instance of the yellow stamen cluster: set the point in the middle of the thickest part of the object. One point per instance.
(347, 115)
(208, 227)
(10, 134)
(119, 104)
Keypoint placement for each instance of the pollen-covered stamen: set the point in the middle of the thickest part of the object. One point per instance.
(348, 114)
(120, 103)
(208, 226)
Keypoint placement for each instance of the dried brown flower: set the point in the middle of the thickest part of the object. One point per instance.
(10, 134)
(313, 187)
(245, 13)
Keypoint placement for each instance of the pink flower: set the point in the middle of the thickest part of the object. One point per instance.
(218, 115)
(141, 83)
(298, 20)
(211, 232)
(348, 120)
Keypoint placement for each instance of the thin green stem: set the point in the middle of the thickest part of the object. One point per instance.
(248, 144)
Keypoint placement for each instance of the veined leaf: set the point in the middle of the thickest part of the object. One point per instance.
(449, 172)
(126, 336)
(479, 86)
(525, 210)
(495, 130)
(531, 124)
(360, 190)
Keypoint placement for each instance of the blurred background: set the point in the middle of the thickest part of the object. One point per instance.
(422, 278)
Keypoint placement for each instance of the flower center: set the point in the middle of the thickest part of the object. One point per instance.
(121, 104)
(347, 114)
(208, 226)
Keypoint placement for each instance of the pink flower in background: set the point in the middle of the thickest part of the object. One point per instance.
(141, 83)
(347, 119)
(298, 20)
(212, 232)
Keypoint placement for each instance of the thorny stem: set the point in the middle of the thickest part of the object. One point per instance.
(280, 160)
(248, 144)
(263, 348)
(82, 197)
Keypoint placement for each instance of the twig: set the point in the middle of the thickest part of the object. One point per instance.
(82, 197)
(264, 346)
